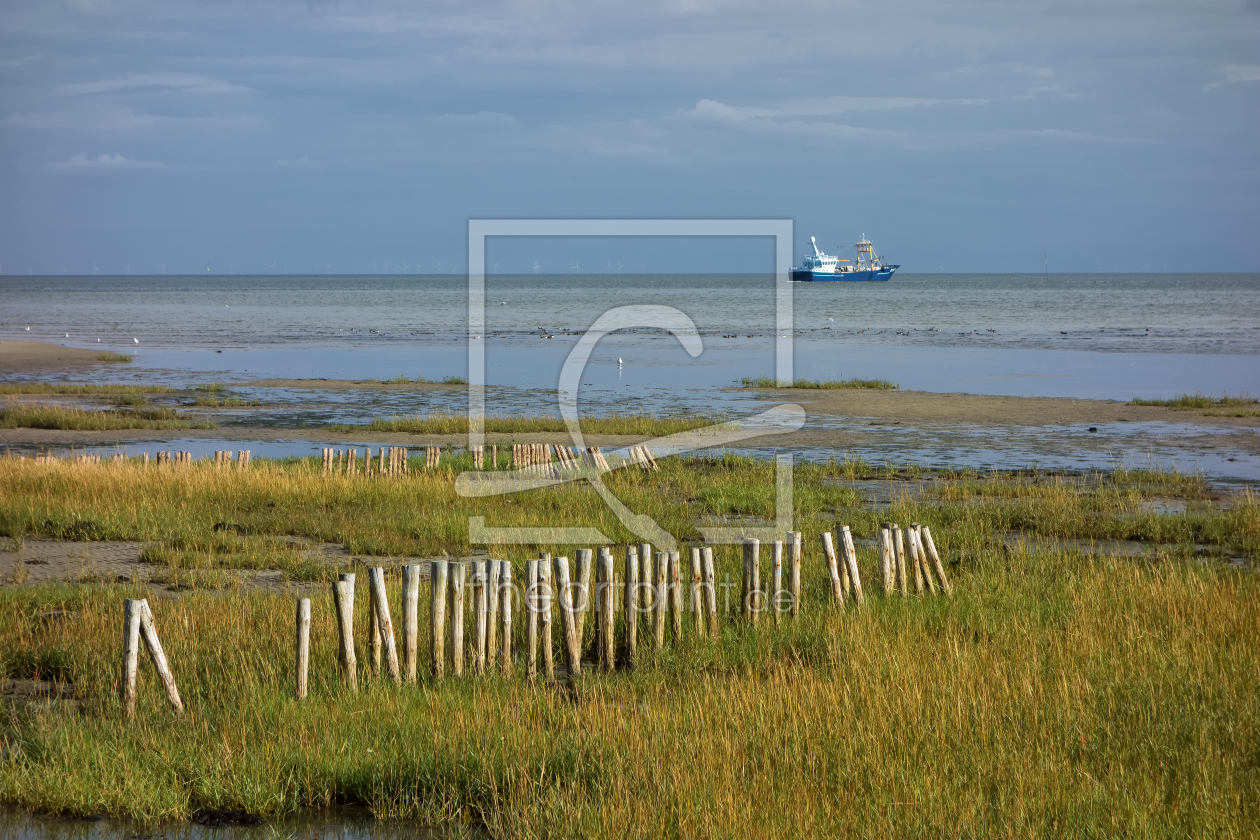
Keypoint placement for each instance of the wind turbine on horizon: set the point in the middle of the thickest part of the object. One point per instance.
(536, 266)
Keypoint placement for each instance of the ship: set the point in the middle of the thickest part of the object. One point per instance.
(822, 266)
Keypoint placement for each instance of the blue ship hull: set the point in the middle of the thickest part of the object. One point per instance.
(804, 274)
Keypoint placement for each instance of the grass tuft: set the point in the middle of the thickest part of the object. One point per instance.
(114, 357)
(817, 385)
(24, 416)
(1189, 402)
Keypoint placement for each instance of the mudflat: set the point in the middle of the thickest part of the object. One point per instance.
(42, 356)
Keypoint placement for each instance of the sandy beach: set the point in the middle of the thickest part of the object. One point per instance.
(35, 357)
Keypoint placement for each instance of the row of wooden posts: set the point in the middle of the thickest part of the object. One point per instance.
(650, 588)
(530, 457)
(223, 458)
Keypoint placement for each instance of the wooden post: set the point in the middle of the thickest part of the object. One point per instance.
(632, 605)
(437, 617)
(480, 596)
(384, 625)
(899, 552)
(675, 595)
(710, 590)
(850, 559)
(148, 632)
(548, 595)
(492, 613)
(374, 629)
(776, 579)
(833, 569)
(131, 655)
(647, 588)
(532, 595)
(458, 571)
(917, 559)
(697, 592)
(794, 574)
(937, 567)
(303, 663)
(754, 602)
(582, 588)
(344, 592)
(661, 571)
(505, 615)
(885, 558)
(410, 620)
(572, 652)
(607, 637)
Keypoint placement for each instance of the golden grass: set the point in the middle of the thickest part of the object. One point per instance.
(36, 416)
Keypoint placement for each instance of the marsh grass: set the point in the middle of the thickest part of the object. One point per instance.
(79, 389)
(37, 416)
(122, 358)
(819, 385)
(420, 380)
(1189, 402)
(1059, 693)
(449, 423)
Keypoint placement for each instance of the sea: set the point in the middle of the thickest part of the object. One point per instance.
(1087, 336)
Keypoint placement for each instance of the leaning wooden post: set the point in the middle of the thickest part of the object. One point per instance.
(776, 578)
(564, 594)
(480, 596)
(410, 620)
(833, 568)
(531, 619)
(661, 571)
(582, 586)
(899, 552)
(675, 595)
(917, 559)
(457, 618)
(148, 632)
(936, 560)
(607, 638)
(492, 613)
(697, 592)
(505, 616)
(437, 617)
(794, 574)
(850, 559)
(632, 605)
(344, 592)
(385, 627)
(131, 654)
(547, 593)
(710, 591)
(303, 663)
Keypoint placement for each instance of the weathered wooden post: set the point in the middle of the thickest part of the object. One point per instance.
(505, 615)
(148, 632)
(675, 595)
(710, 591)
(480, 609)
(850, 559)
(374, 631)
(532, 595)
(385, 627)
(582, 588)
(752, 576)
(607, 638)
(457, 618)
(303, 663)
(647, 592)
(410, 620)
(776, 578)
(438, 570)
(833, 570)
(794, 575)
(899, 552)
(917, 559)
(885, 559)
(697, 592)
(632, 605)
(131, 655)
(564, 594)
(492, 613)
(343, 592)
(661, 570)
(547, 595)
(937, 566)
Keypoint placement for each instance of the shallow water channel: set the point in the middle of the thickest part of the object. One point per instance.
(348, 824)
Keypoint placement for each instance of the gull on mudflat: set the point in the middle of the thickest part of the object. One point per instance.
(135, 340)
(618, 361)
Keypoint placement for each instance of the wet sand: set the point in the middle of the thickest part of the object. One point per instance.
(35, 357)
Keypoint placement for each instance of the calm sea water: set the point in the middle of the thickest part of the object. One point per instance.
(1090, 336)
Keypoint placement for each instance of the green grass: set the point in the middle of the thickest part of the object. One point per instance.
(1060, 692)
(816, 385)
(420, 380)
(445, 423)
(25, 416)
(77, 389)
(1189, 402)
(114, 357)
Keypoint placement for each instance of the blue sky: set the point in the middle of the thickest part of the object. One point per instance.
(354, 137)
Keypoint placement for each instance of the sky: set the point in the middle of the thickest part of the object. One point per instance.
(357, 137)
